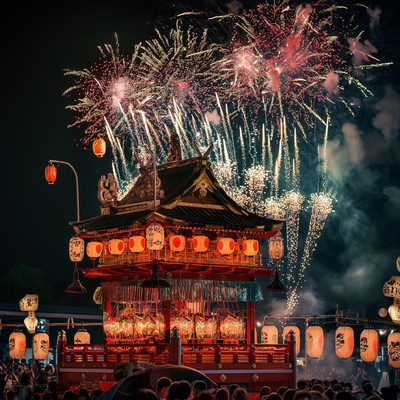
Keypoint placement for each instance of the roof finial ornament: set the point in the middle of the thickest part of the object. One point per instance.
(206, 154)
(175, 153)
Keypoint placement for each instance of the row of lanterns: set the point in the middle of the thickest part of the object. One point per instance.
(344, 342)
(40, 344)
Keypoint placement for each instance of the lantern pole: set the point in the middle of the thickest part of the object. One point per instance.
(76, 183)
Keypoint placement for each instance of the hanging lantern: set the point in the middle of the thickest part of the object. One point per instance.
(116, 247)
(40, 346)
(369, 342)
(50, 173)
(296, 332)
(137, 244)
(177, 242)
(30, 302)
(200, 243)
(76, 249)
(99, 147)
(276, 246)
(314, 341)
(394, 311)
(398, 263)
(17, 345)
(82, 337)
(98, 295)
(155, 236)
(393, 346)
(94, 249)
(31, 322)
(226, 246)
(269, 334)
(391, 288)
(250, 247)
(344, 341)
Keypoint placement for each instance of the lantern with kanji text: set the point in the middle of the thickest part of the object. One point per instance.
(269, 334)
(393, 346)
(40, 346)
(369, 342)
(76, 249)
(155, 237)
(314, 341)
(344, 341)
(82, 337)
(276, 246)
(17, 345)
(99, 147)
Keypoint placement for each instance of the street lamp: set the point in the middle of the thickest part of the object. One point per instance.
(51, 176)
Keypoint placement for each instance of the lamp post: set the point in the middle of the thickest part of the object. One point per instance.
(51, 175)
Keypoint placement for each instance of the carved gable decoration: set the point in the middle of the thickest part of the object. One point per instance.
(175, 153)
(107, 189)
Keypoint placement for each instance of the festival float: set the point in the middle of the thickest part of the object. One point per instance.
(179, 261)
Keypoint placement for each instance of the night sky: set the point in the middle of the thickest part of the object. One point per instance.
(358, 248)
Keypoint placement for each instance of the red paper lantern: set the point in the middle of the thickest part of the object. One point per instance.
(200, 243)
(226, 246)
(99, 147)
(116, 246)
(250, 247)
(177, 242)
(17, 345)
(137, 244)
(94, 249)
(314, 341)
(50, 173)
(344, 341)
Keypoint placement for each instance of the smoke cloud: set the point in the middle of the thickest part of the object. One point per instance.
(361, 51)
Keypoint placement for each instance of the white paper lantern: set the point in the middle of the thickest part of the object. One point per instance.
(116, 247)
(137, 244)
(155, 237)
(391, 288)
(394, 311)
(82, 337)
(29, 303)
(269, 334)
(344, 341)
(177, 242)
(226, 246)
(200, 243)
(296, 332)
(369, 344)
(314, 341)
(94, 249)
(393, 346)
(31, 322)
(17, 345)
(76, 249)
(276, 246)
(250, 247)
(40, 346)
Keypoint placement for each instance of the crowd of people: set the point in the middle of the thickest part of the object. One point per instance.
(32, 381)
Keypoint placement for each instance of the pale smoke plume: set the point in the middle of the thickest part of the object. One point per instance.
(374, 16)
(361, 51)
(213, 117)
(392, 193)
(352, 138)
(234, 7)
(331, 82)
(387, 120)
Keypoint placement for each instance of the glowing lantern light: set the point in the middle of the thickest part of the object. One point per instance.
(137, 244)
(76, 249)
(369, 342)
(30, 302)
(177, 242)
(116, 246)
(269, 334)
(393, 345)
(50, 173)
(99, 147)
(200, 243)
(394, 311)
(391, 288)
(17, 345)
(296, 332)
(276, 246)
(31, 322)
(344, 341)
(398, 263)
(40, 346)
(155, 237)
(82, 337)
(226, 246)
(314, 341)
(94, 249)
(250, 247)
